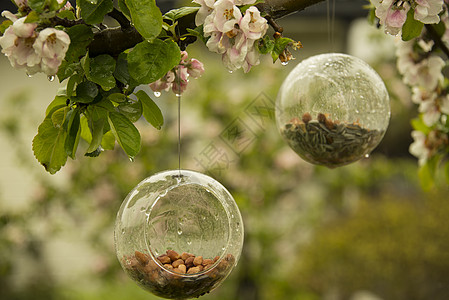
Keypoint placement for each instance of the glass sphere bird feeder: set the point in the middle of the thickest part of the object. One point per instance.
(178, 234)
(333, 109)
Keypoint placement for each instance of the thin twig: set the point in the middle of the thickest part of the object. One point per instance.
(437, 39)
(120, 18)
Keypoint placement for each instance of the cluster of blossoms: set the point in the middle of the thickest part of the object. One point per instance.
(232, 33)
(422, 69)
(37, 51)
(178, 78)
(393, 13)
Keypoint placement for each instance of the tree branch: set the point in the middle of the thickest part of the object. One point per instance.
(113, 41)
(279, 8)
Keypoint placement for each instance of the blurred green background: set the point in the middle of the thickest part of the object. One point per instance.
(365, 231)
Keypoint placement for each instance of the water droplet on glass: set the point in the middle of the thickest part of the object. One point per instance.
(367, 155)
(284, 63)
(179, 231)
(51, 78)
(189, 242)
(232, 216)
(29, 75)
(123, 231)
(230, 71)
(157, 94)
(143, 208)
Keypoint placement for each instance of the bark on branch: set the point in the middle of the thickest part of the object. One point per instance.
(113, 41)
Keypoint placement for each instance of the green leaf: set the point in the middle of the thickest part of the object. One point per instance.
(48, 146)
(85, 131)
(412, 28)
(245, 7)
(121, 69)
(94, 13)
(57, 103)
(279, 46)
(5, 24)
(71, 83)
(178, 13)
(265, 45)
(73, 132)
(37, 5)
(108, 141)
(146, 17)
(97, 115)
(58, 117)
(198, 32)
(67, 69)
(101, 71)
(117, 98)
(66, 14)
(151, 111)
(149, 61)
(86, 92)
(124, 9)
(131, 110)
(33, 17)
(80, 37)
(125, 133)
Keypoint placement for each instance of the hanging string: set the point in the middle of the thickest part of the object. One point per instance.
(179, 120)
(330, 23)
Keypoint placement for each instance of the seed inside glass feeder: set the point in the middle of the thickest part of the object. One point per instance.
(333, 109)
(179, 234)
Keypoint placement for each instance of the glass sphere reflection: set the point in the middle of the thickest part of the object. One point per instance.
(178, 234)
(332, 109)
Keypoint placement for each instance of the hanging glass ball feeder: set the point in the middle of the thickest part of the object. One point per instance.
(178, 234)
(333, 109)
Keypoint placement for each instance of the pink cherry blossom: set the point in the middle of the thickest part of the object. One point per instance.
(392, 14)
(17, 44)
(427, 11)
(252, 24)
(195, 68)
(51, 44)
(227, 15)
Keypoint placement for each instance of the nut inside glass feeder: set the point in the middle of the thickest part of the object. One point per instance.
(333, 109)
(178, 234)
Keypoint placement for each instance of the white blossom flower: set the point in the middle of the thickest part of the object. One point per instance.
(51, 45)
(252, 24)
(418, 147)
(444, 104)
(427, 11)
(392, 14)
(429, 72)
(430, 112)
(227, 15)
(21, 3)
(420, 94)
(17, 44)
(207, 6)
(177, 78)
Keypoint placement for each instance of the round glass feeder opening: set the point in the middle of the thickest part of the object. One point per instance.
(178, 234)
(333, 109)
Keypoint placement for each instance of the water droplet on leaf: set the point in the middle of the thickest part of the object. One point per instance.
(51, 78)
(29, 75)
(284, 63)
